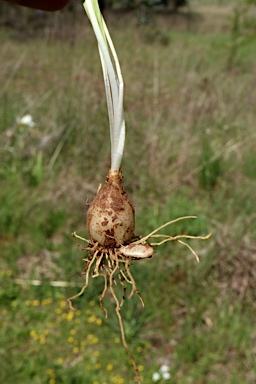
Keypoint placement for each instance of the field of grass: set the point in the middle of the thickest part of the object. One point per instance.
(190, 150)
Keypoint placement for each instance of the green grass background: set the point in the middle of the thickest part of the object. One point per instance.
(190, 150)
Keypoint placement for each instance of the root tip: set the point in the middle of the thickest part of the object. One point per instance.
(71, 305)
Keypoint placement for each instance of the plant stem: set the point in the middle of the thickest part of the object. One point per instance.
(113, 82)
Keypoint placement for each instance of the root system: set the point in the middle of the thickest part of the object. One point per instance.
(113, 264)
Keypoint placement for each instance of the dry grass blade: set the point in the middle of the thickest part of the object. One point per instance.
(34, 282)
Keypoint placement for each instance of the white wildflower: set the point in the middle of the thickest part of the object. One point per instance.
(166, 375)
(26, 120)
(156, 377)
(164, 368)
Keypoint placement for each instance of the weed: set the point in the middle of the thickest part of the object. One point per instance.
(210, 167)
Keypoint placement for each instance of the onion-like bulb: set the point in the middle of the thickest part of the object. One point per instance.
(110, 217)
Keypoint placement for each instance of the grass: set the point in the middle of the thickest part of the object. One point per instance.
(191, 134)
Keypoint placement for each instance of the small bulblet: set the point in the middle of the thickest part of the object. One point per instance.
(110, 217)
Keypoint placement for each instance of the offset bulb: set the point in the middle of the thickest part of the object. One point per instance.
(110, 217)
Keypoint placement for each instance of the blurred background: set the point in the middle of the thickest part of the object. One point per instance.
(189, 69)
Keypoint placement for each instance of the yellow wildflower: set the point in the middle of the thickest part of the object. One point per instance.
(95, 340)
(60, 360)
(33, 334)
(98, 321)
(50, 372)
(91, 319)
(46, 301)
(63, 303)
(35, 303)
(117, 380)
(70, 315)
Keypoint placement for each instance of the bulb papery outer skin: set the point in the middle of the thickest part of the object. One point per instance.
(110, 217)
